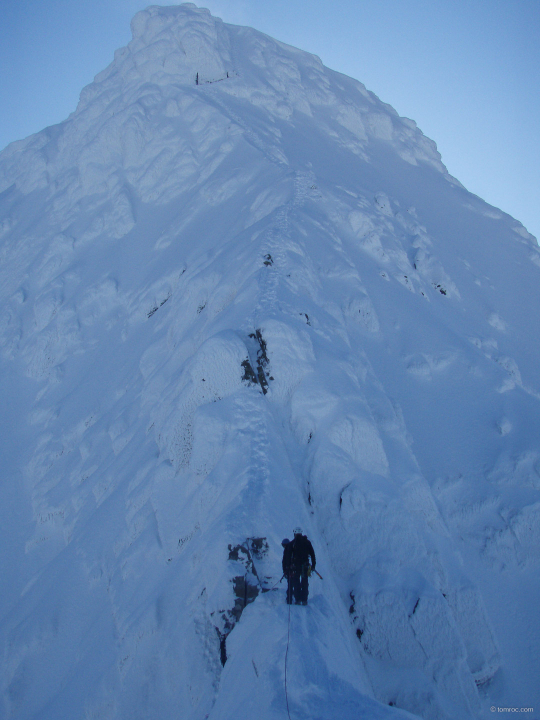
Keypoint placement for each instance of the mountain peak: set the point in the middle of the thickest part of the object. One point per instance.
(173, 44)
(239, 293)
(182, 55)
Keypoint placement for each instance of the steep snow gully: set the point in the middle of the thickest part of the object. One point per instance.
(239, 293)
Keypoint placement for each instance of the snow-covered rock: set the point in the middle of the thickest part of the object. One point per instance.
(239, 293)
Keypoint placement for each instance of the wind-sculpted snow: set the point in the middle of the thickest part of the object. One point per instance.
(238, 294)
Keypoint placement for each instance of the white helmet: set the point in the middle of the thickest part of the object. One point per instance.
(297, 531)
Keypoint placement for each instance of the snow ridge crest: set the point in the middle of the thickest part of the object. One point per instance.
(170, 44)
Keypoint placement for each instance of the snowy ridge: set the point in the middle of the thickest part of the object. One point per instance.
(239, 293)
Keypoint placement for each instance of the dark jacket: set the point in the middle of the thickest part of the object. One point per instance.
(296, 554)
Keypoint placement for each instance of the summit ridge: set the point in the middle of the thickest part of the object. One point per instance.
(239, 293)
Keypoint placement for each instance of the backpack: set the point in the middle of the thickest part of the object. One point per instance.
(299, 553)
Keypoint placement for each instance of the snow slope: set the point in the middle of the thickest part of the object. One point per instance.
(239, 293)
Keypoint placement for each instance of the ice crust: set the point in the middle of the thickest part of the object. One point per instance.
(221, 202)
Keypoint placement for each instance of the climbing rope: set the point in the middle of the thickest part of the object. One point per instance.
(286, 655)
(276, 584)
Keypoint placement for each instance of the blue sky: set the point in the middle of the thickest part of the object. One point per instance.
(467, 71)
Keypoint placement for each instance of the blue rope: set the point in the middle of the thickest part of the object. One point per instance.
(286, 655)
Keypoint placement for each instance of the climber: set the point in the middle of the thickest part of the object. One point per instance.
(297, 567)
